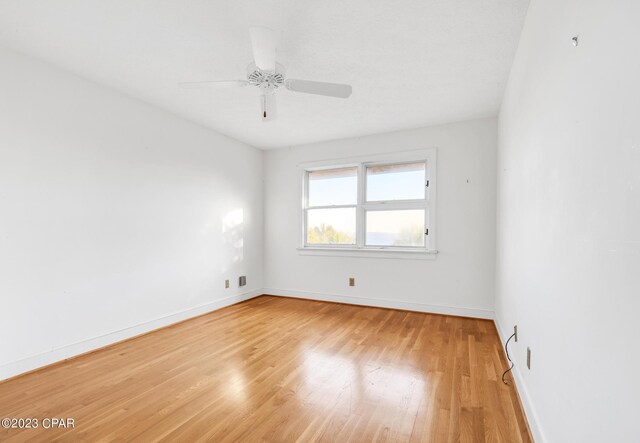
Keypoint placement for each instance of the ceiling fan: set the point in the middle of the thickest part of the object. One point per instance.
(268, 75)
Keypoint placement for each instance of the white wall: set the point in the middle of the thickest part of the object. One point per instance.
(568, 256)
(115, 217)
(461, 278)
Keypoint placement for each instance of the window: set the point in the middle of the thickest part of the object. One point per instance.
(382, 205)
(332, 196)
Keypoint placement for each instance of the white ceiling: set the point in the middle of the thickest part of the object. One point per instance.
(411, 63)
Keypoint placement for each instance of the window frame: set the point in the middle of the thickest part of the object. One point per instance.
(306, 207)
(428, 204)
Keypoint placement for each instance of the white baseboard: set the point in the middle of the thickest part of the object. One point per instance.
(62, 353)
(529, 410)
(384, 303)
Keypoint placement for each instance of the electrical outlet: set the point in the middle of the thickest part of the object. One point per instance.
(515, 332)
(528, 357)
(352, 281)
(226, 284)
(242, 281)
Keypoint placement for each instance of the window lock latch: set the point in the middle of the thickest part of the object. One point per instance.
(426, 231)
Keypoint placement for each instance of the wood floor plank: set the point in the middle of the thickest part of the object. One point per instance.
(281, 370)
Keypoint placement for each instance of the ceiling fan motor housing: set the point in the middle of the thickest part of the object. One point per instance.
(268, 81)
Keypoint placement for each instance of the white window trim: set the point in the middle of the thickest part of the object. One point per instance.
(360, 250)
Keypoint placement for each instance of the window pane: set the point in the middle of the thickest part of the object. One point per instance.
(333, 187)
(395, 228)
(331, 226)
(396, 182)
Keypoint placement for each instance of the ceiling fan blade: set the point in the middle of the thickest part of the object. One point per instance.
(319, 88)
(223, 84)
(268, 110)
(263, 41)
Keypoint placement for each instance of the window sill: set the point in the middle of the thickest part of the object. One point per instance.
(404, 254)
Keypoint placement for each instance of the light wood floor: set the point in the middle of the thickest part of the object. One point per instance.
(282, 370)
